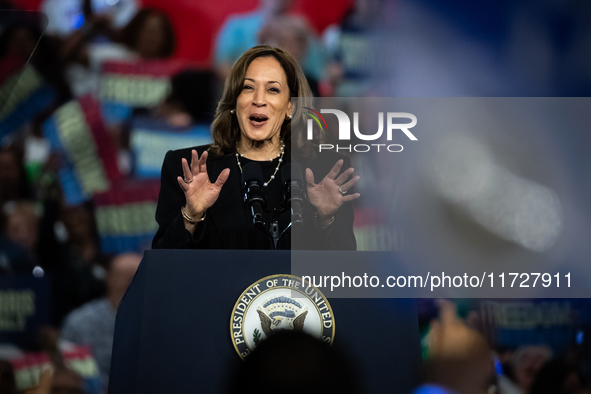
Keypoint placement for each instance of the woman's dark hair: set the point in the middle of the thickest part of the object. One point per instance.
(225, 128)
(131, 32)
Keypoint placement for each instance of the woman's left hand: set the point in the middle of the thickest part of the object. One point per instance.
(328, 195)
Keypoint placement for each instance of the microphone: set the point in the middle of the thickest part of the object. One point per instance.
(252, 176)
(295, 196)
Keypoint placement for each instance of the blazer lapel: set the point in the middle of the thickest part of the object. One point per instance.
(228, 210)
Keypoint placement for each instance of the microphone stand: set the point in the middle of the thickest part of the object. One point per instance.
(286, 174)
(271, 230)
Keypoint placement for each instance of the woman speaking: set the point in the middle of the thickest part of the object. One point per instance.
(201, 202)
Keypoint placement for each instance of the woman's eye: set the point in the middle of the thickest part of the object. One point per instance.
(274, 90)
(246, 87)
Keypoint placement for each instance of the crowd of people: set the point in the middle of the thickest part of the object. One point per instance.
(69, 244)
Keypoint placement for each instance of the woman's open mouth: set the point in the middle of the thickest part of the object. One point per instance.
(258, 120)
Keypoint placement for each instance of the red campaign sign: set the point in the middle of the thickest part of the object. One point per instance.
(105, 147)
(23, 94)
(125, 215)
(76, 130)
(80, 360)
(28, 367)
(129, 191)
(138, 84)
(152, 68)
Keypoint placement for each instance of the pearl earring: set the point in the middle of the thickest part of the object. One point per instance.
(232, 111)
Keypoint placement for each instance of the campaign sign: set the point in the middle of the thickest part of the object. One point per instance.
(514, 323)
(28, 368)
(150, 139)
(125, 216)
(24, 307)
(23, 94)
(139, 84)
(89, 164)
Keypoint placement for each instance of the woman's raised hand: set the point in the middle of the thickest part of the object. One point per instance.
(328, 195)
(200, 193)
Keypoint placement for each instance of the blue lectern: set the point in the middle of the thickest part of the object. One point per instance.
(173, 326)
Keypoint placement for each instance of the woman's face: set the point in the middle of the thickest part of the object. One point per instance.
(264, 101)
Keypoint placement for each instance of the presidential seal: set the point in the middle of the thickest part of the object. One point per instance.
(279, 302)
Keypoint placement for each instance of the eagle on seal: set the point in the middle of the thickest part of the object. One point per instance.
(281, 313)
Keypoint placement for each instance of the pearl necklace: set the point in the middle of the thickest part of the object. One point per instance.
(279, 155)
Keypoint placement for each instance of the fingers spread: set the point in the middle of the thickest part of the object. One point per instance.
(350, 184)
(187, 174)
(335, 170)
(351, 197)
(344, 176)
(194, 163)
(182, 183)
(202, 162)
(310, 177)
(222, 178)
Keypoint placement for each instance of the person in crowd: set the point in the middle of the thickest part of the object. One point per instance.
(78, 275)
(192, 100)
(293, 34)
(93, 324)
(185, 113)
(24, 39)
(148, 36)
(13, 177)
(7, 380)
(558, 377)
(57, 381)
(525, 364)
(20, 235)
(296, 362)
(65, 16)
(13, 258)
(241, 32)
(65, 380)
(22, 225)
(351, 50)
(19, 39)
(459, 359)
(200, 203)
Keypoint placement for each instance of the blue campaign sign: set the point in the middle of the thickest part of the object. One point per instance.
(151, 138)
(24, 307)
(551, 322)
(28, 95)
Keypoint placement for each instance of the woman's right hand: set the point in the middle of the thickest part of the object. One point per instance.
(200, 193)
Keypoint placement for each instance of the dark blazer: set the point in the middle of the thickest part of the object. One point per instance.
(225, 226)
